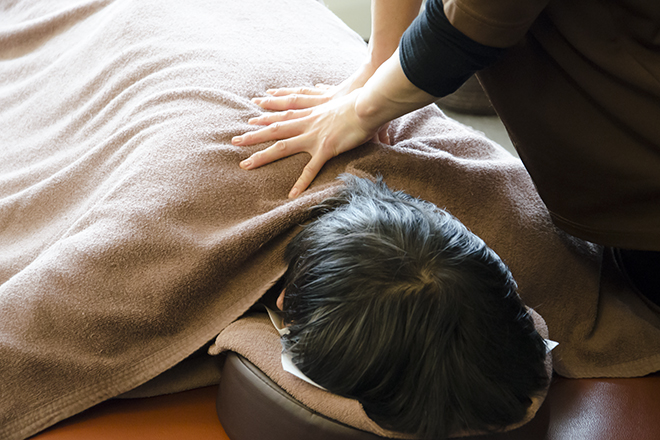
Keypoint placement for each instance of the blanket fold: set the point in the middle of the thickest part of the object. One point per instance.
(130, 237)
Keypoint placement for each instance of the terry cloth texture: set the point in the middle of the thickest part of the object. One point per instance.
(130, 237)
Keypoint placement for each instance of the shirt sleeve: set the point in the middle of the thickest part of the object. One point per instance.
(497, 23)
(438, 58)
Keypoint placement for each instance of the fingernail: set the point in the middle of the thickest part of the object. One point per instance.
(252, 120)
(270, 91)
(236, 140)
(294, 193)
(256, 100)
(247, 163)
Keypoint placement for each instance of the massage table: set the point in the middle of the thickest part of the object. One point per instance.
(247, 405)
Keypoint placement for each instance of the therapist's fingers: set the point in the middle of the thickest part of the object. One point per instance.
(290, 102)
(269, 118)
(297, 91)
(383, 135)
(310, 172)
(275, 131)
(278, 150)
(327, 131)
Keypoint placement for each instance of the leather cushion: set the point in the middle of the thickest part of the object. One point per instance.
(251, 406)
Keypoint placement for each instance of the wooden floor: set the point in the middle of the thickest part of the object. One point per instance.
(188, 415)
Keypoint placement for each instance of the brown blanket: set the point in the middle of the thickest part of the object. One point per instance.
(129, 236)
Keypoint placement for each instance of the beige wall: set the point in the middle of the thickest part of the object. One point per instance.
(355, 13)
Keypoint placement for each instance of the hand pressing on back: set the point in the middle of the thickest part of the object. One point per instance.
(318, 121)
(327, 121)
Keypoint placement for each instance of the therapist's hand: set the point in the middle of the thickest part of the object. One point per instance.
(389, 20)
(324, 131)
(338, 125)
(295, 98)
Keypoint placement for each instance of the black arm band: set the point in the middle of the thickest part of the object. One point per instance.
(438, 58)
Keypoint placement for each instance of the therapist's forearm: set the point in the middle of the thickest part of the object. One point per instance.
(388, 94)
(389, 19)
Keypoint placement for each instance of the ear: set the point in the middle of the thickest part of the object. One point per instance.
(280, 300)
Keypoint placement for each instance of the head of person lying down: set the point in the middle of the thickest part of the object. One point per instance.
(392, 301)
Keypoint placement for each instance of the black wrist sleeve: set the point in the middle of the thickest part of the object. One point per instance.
(437, 57)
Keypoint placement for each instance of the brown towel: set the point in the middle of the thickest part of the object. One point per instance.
(129, 236)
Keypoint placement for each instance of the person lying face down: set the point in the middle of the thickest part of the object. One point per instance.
(394, 302)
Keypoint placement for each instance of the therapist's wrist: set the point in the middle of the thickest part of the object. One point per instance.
(378, 55)
(363, 74)
(387, 95)
(371, 110)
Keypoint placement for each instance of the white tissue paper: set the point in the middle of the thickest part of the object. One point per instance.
(287, 362)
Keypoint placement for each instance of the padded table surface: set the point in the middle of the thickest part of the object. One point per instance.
(576, 409)
(251, 406)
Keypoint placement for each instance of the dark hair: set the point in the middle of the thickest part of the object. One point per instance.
(393, 302)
